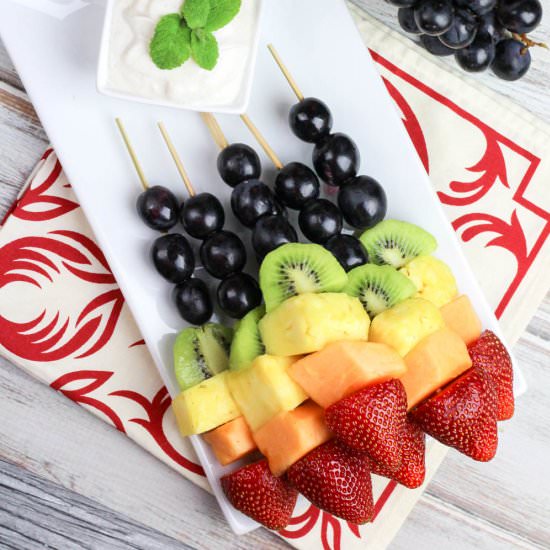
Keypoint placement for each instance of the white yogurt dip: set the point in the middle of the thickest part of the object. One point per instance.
(130, 71)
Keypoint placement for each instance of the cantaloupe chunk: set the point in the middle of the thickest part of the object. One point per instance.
(342, 368)
(231, 441)
(432, 363)
(460, 316)
(290, 435)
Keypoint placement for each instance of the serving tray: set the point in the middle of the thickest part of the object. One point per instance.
(57, 59)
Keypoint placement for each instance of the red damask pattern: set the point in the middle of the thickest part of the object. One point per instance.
(37, 261)
(40, 202)
(491, 169)
(155, 411)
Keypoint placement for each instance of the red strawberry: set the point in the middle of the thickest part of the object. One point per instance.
(412, 471)
(337, 480)
(371, 421)
(256, 492)
(489, 354)
(463, 415)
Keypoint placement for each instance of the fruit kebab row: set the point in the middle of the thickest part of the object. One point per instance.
(296, 187)
(222, 252)
(320, 220)
(336, 158)
(252, 201)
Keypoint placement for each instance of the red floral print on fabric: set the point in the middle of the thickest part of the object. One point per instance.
(40, 202)
(53, 336)
(155, 411)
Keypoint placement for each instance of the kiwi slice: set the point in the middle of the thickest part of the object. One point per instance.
(201, 352)
(396, 243)
(297, 268)
(378, 287)
(247, 343)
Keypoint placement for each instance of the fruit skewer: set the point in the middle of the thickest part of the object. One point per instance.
(222, 253)
(192, 297)
(157, 206)
(319, 219)
(253, 203)
(336, 158)
(172, 253)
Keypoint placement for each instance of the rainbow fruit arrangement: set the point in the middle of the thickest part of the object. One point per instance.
(339, 375)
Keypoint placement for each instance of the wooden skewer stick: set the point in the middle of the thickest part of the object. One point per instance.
(286, 72)
(177, 159)
(261, 140)
(215, 129)
(132, 154)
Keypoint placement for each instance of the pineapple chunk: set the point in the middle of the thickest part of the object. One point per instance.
(265, 389)
(205, 406)
(404, 325)
(308, 322)
(433, 279)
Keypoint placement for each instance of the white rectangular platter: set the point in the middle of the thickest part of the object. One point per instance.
(57, 59)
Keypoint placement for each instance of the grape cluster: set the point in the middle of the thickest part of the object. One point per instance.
(479, 33)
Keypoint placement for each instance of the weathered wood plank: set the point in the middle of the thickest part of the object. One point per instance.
(23, 141)
(35, 513)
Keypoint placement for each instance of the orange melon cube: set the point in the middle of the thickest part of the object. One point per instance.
(290, 435)
(436, 360)
(344, 367)
(459, 315)
(231, 441)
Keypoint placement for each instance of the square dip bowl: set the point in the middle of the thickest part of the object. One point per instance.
(126, 70)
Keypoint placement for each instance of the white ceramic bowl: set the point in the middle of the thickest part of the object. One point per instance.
(236, 77)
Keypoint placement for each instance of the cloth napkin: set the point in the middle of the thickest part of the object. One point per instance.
(64, 320)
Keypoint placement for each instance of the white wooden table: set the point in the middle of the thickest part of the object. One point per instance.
(53, 493)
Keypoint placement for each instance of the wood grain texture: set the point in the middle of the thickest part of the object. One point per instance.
(54, 493)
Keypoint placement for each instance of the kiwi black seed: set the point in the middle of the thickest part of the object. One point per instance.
(297, 268)
(396, 243)
(378, 287)
(247, 343)
(201, 352)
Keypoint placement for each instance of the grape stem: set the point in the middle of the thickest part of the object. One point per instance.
(524, 39)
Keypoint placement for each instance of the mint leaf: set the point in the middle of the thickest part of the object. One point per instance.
(204, 49)
(170, 46)
(196, 12)
(221, 13)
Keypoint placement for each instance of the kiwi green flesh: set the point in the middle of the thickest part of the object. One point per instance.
(247, 343)
(378, 287)
(396, 243)
(297, 268)
(200, 353)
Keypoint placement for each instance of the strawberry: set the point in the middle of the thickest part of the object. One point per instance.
(371, 421)
(489, 354)
(256, 492)
(463, 415)
(412, 471)
(337, 480)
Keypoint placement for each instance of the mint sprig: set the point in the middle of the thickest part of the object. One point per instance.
(179, 36)
(171, 43)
